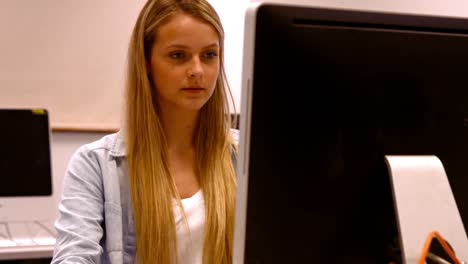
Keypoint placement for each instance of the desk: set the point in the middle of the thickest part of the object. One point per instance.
(21, 253)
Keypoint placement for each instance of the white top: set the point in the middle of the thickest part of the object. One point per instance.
(190, 240)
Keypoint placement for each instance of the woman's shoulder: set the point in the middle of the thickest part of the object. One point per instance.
(91, 162)
(92, 156)
(110, 144)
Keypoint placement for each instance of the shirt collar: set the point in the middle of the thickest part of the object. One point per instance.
(118, 148)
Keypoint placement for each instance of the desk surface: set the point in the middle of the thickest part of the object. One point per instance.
(26, 252)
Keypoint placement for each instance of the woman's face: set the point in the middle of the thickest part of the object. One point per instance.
(184, 63)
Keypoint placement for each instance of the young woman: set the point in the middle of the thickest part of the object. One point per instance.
(161, 190)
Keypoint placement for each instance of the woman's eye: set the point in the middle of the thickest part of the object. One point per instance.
(210, 55)
(177, 55)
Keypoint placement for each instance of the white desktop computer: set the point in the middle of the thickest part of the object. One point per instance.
(27, 206)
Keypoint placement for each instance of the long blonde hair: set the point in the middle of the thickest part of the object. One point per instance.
(152, 185)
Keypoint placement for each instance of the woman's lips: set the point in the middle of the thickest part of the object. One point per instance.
(193, 89)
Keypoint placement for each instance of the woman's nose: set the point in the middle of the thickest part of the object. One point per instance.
(195, 68)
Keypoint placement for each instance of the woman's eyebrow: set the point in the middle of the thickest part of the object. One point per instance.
(181, 46)
(214, 45)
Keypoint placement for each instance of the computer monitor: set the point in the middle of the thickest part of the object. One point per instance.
(326, 94)
(25, 164)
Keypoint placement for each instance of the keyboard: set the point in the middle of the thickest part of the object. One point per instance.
(27, 234)
(26, 240)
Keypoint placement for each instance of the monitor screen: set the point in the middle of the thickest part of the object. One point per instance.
(25, 166)
(326, 94)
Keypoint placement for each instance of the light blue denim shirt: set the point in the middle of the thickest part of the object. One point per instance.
(95, 222)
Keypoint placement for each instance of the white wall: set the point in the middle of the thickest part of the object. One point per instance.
(67, 56)
(70, 56)
(232, 17)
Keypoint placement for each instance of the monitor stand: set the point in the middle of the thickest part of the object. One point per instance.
(424, 202)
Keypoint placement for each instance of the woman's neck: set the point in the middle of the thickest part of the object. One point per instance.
(179, 127)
